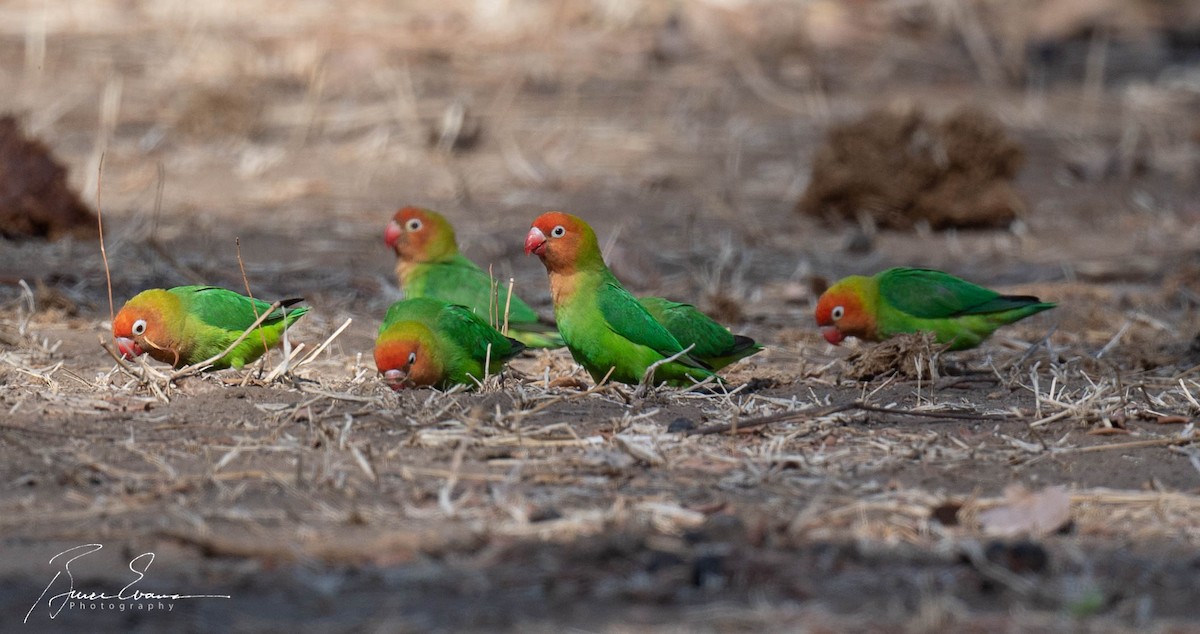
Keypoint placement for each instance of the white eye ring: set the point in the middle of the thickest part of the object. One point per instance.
(413, 224)
(412, 358)
(558, 231)
(139, 327)
(837, 312)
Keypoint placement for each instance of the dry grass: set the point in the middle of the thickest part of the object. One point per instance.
(689, 154)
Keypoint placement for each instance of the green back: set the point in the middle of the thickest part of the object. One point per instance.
(958, 312)
(930, 294)
(216, 317)
(459, 281)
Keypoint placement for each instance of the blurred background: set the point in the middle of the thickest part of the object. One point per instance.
(738, 154)
(723, 149)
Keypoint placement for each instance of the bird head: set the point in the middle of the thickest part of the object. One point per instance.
(420, 235)
(141, 326)
(404, 359)
(842, 311)
(563, 242)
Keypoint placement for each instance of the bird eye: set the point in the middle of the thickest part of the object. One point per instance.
(837, 312)
(139, 327)
(413, 224)
(558, 231)
(412, 358)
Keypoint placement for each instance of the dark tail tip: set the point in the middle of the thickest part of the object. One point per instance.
(741, 343)
(286, 303)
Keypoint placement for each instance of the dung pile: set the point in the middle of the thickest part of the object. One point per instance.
(35, 201)
(901, 168)
(907, 356)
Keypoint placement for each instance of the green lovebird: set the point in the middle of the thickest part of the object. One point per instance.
(901, 300)
(429, 342)
(428, 264)
(188, 324)
(715, 345)
(605, 327)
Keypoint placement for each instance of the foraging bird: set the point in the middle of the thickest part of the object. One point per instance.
(901, 300)
(714, 344)
(605, 327)
(429, 342)
(188, 324)
(428, 264)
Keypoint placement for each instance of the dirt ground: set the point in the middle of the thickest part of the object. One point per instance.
(685, 134)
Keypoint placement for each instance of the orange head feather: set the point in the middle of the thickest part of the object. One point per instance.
(565, 243)
(847, 309)
(150, 323)
(405, 356)
(420, 235)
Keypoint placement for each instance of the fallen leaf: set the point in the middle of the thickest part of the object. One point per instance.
(1027, 512)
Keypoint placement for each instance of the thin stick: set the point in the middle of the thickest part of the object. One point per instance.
(237, 243)
(321, 348)
(112, 311)
(158, 195)
(1137, 444)
(507, 306)
(644, 386)
(197, 367)
(818, 412)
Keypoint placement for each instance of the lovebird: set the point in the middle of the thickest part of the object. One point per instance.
(604, 327)
(715, 345)
(430, 342)
(188, 324)
(428, 264)
(901, 300)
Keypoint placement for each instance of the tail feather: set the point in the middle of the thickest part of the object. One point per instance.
(531, 339)
(742, 347)
(517, 346)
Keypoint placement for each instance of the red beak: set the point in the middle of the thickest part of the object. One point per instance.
(395, 379)
(535, 242)
(391, 235)
(128, 347)
(832, 335)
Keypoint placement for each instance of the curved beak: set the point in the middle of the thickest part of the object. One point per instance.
(128, 347)
(832, 334)
(391, 235)
(396, 379)
(535, 242)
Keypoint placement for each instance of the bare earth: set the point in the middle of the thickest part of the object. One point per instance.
(322, 501)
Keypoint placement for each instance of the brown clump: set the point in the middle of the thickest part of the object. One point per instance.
(35, 201)
(900, 168)
(907, 356)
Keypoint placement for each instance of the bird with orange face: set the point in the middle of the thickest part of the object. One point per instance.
(188, 324)
(609, 331)
(428, 264)
(426, 342)
(901, 300)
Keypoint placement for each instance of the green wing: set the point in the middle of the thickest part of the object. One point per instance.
(688, 325)
(459, 281)
(930, 294)
(714, 344)
(474, 334)
(227, 310)
(626, 317)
